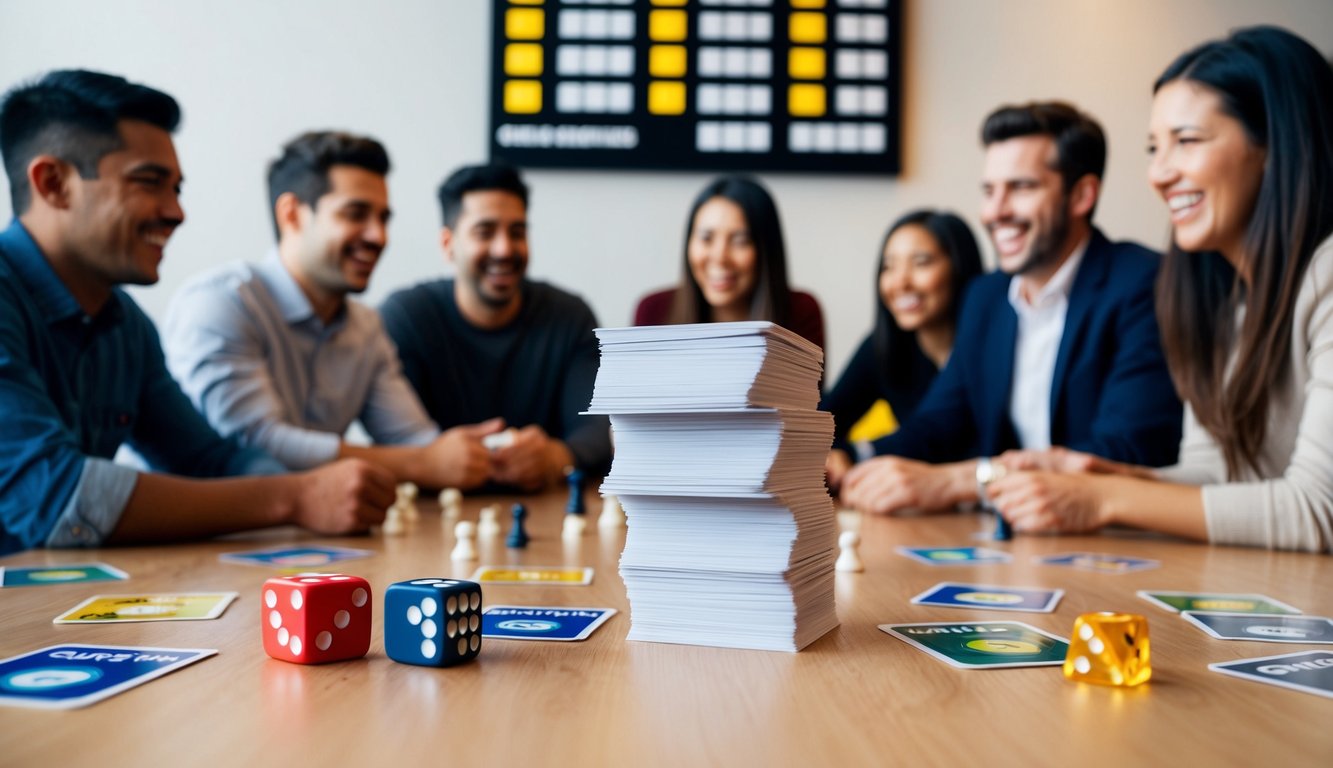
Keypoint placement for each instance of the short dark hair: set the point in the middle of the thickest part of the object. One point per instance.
(303, 167)
(73, 114)
(1080, 143)
(477, 178)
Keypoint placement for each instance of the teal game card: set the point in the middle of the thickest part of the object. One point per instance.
(983, 644)
(60, 574)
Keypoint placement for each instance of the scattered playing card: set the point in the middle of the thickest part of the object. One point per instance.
(983, 644)
(303, 558)
(953, 595)
(533, 574)
(1100, 562)
(1264, 628)
(1176, 602)
(954, 555)
(76, 675)
(518, 622)
(60, 574)
(182, 606)
(1307, 671)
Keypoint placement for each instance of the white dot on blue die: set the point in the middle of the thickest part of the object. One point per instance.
(429, 606)
(428, 628)
(426, 581)
(427, 648)
(413, 615)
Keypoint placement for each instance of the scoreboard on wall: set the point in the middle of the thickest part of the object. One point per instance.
(750, 85)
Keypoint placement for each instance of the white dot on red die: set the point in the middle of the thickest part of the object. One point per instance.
(340, 578)
(413, 615)
(341, 618)
(310, 581)
(270, 598)
(429, 606)
(297, 600)
(323, 640)
(274, 619)
(359, 597)
(296, 646)
(427, 648)
(282, 636)
(428, 628)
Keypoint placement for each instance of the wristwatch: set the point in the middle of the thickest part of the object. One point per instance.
(987, 473)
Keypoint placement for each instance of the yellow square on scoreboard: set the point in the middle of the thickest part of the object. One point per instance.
(807, 3)
(666, 98)
(667, 61)
(523, 97)
(525, 24)
(667, 26)
(806, 100)
(523, 60)
(806, 28)
(677, 3)
(527, 2)
(806, 63)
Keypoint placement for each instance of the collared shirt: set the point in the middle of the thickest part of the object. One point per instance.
(249, 350)
(73, 388)
(1041, 324)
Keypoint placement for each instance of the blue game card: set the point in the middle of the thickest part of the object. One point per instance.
(76, 675)
(60, 574)
(1099, 562)
(952, 595)
(1306, 671)
(301, 558)
(520, 622)
(955, 555)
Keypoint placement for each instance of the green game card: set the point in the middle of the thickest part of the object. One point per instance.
(1215, 602)
(983, 644)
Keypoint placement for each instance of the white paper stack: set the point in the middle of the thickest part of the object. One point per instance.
(719, 466)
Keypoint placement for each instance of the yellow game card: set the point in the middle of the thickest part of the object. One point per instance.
(182, 606)
(533, 574)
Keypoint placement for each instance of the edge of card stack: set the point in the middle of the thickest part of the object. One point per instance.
(719, 465)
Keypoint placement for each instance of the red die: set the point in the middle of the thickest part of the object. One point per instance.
(311, 618)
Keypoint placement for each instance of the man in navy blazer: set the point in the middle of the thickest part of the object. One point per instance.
(1058, 348)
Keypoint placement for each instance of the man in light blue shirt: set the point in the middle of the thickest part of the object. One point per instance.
(95, 185)
(277, 355)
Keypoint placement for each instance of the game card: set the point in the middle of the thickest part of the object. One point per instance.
(76, 675)
(294, 557)
(1264, 628)
(182, 606)
(533, 574)
(1100, 562)
(983, 644)
(953, 595)
(954, 555)
(1308, 671)
(1176, 602)
(518, 622)
(60, 574)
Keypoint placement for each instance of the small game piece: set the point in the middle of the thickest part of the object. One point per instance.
(498, 440)
(451, 502)
(393, 523)
(518, 537)
(1003, 530)
(408, 491)
(311, 618)
(987, 473)
(575, 525)
(1109, 649)
(613, 515)
(575, 504)
(432, 622)
(849, 559)
(489, 525)
(466, 548)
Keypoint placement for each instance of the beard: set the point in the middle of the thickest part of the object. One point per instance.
(1047, 245)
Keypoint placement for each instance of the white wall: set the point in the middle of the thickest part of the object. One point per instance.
(252, 73)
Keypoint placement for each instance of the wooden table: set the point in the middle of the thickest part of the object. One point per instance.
(855, 697)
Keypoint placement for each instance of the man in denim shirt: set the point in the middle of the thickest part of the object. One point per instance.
(95, 184)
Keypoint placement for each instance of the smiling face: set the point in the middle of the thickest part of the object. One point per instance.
(120, 221)
(1024, 206)
(722, 257)
(488, 245)
(1204, 167)
(915, 279)
(339, 241)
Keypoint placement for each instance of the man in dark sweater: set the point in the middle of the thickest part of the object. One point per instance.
(490, 342)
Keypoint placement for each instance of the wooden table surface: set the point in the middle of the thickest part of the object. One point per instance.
(855, 697)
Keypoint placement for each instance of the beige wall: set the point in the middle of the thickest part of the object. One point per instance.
(252, 73)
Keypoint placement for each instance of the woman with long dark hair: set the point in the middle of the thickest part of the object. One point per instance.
(925, 262)
(735, 266)
(1241, 144)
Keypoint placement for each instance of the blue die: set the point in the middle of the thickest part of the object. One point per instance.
(432, 622)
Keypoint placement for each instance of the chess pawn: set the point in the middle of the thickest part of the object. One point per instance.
(613, 515)
(849, 560)
(466, 548)
(489, 525)
(575, 504)
(575, 525)
(393, 522)
(518, 536)
(451, 503)
(408, 491)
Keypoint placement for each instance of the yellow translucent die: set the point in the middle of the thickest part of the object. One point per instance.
(1109, 649)
(667, 26)
(807, 28)
(523, 60)
(806, 63)
(525, 24)
(523, 97)
(667, 61)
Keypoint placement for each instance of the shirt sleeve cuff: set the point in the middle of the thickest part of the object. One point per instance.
(305, 449)
(96, 505)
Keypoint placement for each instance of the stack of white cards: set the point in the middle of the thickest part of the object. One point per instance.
(719, 465)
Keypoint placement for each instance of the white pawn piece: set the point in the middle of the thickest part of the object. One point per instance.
(393, 522)
(408, 490)
(466, 548)
(849, 560)
(613, 515)
(407, 501)
(575, 525)
(489, 526)
(451, 503)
